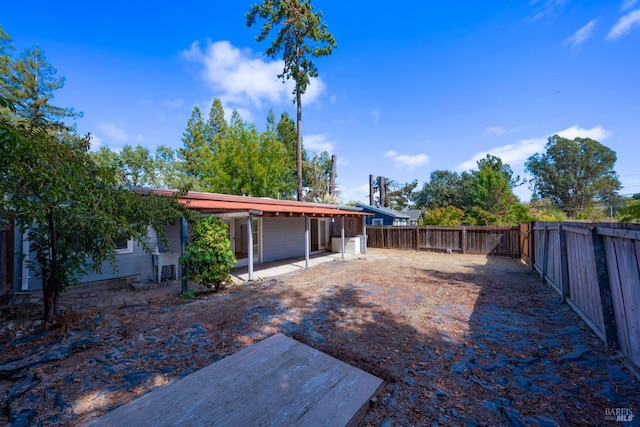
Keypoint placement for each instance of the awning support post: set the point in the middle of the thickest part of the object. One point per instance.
(342, 234)
(250, 244)
(307, 242)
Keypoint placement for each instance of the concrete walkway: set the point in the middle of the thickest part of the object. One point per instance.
(290, 265)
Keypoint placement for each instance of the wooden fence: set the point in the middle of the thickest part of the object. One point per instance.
(6, 262)
(596, 269)
(466, 240)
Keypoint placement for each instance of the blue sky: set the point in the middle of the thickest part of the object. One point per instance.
(414, 86)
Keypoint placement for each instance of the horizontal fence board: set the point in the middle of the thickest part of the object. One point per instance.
(616, 232)
(577, 230)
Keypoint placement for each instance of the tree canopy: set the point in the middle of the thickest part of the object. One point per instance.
(300, 36)
(68, 205)
(574, 173)
(483, 196)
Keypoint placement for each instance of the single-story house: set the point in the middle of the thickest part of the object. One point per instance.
(415, 216)
(260, 230)
(384, 216)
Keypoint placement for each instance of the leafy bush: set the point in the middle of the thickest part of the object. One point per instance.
(449, 215)
(631, 212)
(208, 258)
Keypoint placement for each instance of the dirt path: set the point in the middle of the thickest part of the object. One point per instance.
(458, 340)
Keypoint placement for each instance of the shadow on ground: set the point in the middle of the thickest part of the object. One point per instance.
(478, 343)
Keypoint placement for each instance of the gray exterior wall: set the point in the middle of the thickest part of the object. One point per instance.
(282, 238)
(129, 264)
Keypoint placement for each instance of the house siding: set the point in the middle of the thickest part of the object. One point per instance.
(282, 238)
(129, 264)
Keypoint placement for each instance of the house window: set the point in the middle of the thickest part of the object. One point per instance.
(124, 246)
(377, 221)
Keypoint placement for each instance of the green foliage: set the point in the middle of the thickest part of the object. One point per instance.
(594, 214)
(67, 204)
(234, 158)
(399, 196)
(190, 295)
(448, 216)
(300, 36)
(30, 83)
(630, 212)
(495, 164)
(574, 173)
(196, 152)
(316, 177)
(208, 258)
(543, 210)
(286, 130)
(446, 188)
(485, 196)
(135, 166)
(479, 216)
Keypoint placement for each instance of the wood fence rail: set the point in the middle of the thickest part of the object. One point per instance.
(595, 267)
(467, 240)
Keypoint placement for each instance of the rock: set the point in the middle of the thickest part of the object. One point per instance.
(441, 393)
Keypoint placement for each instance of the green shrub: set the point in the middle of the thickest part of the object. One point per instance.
(208, 258)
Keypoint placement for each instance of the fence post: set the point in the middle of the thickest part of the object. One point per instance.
(608, 315)
(545, 255)
(464, 240)
(564, 266)
(532, 245)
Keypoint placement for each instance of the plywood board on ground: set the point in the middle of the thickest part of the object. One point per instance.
(277, 381)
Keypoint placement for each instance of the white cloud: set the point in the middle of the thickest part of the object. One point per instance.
(238, 76)
(376, 115)
(359, 193)
(178, 102)
(516, 154)
(408, 161)
(333, 99)
(510, 154)
(497, 130)
(624, 25)
(542, 8)
(628, 4)
(114, 132)
(597, 132)
(342, 161)
(318, 143)
(581, 35)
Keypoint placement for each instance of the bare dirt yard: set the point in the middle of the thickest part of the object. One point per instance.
(457, 339)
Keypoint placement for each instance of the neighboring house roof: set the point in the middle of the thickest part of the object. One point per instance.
(414, 214)
(384, 211)
(260, 206)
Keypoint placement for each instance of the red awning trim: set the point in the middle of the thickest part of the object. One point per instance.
(225, 203)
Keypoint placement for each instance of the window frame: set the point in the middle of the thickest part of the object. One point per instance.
(123, 250)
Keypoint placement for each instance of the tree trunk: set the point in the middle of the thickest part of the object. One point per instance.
(372, 199)
(50, 299)
(299, 140)
(332, 176)
(50, 282)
